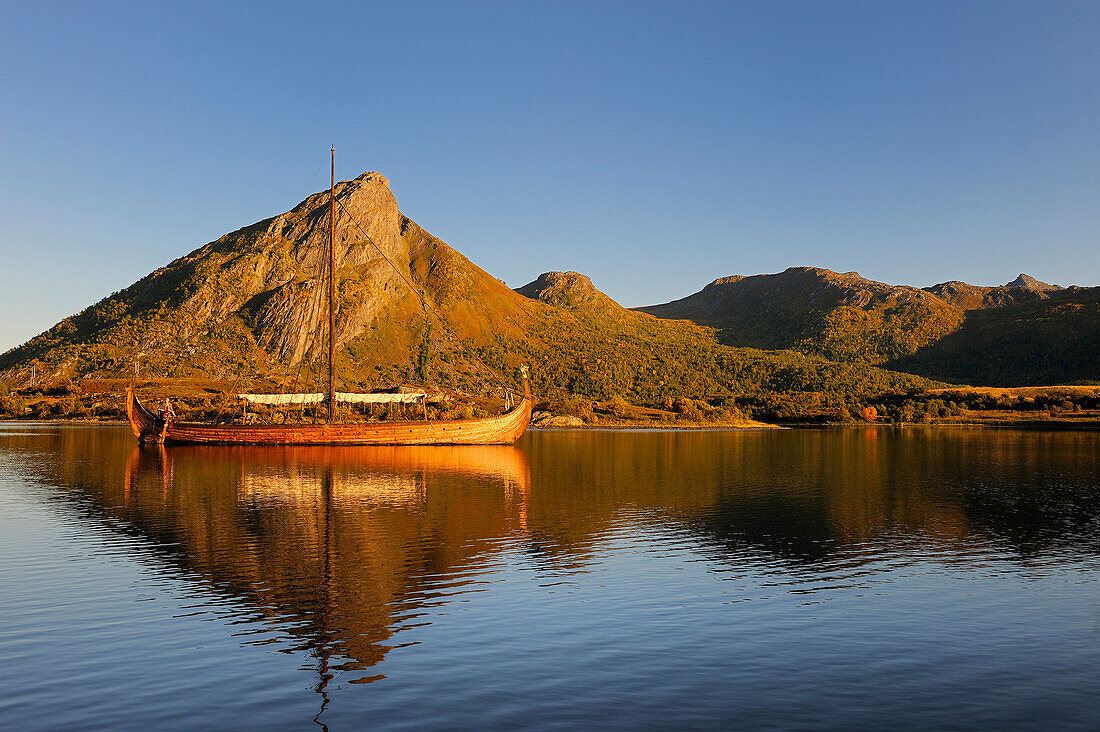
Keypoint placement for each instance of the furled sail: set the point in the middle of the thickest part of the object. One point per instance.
(380, 398)
(320, 398)
(316, 398)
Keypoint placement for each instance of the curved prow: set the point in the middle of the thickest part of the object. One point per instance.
(526, 385)
(144, 424)
(523, 410)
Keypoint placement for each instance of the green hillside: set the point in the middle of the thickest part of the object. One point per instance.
(246, 309)
(596, 348)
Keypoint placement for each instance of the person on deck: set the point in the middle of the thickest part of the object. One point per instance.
(166, 412)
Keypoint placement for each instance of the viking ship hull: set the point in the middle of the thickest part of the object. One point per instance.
(502, 430)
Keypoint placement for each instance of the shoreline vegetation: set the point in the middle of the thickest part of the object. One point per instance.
(1055, 407)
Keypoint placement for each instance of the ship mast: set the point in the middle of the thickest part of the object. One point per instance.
(332, 291)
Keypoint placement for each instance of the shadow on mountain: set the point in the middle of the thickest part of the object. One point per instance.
(1055, 340)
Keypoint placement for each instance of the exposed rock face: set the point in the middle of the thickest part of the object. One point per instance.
(1030, 283)
(545, 419)
(367, 223)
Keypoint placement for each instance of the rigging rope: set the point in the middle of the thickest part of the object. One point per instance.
(416, 290)
(427, 309)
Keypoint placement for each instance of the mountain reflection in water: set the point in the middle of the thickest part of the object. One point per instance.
(337, 551)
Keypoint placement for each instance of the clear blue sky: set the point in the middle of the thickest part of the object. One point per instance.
(653, 147)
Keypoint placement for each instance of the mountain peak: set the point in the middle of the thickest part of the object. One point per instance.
(369, 184)
(365, 209)
(727, 280)
(571, 290)
(370, 175)
(1028, 282)
(254, 294)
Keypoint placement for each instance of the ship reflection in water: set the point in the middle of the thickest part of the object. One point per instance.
(796, 578)
(345, 543)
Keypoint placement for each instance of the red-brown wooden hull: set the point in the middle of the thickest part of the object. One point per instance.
(502, 430)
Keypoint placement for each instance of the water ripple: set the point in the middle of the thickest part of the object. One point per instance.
(802, 579)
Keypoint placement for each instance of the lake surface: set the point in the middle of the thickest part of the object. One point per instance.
(803, 578)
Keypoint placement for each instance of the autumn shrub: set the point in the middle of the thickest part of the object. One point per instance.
(106, 410)
(65, 387)
(74, 408)
(688, 410)
(720, 414)
(11, 406)
(617, 406)
(575, 407)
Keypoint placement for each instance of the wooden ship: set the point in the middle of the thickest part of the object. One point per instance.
(150, 427)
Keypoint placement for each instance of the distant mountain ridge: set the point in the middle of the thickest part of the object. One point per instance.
(1019, 336)
(1040, 333)
(839, 316)
(975, 297)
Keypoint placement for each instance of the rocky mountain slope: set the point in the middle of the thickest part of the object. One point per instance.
(252, 301)
(248, 308)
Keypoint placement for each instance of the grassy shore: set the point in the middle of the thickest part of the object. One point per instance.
(1056, 407)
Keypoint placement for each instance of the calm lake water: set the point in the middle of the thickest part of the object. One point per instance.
(791, 579)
